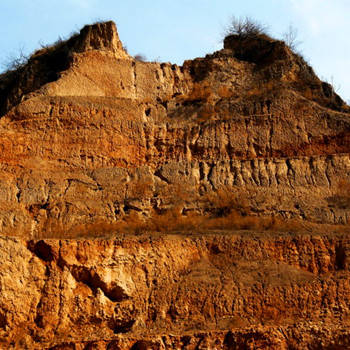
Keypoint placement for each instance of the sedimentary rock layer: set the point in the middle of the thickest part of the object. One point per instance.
(265, 289)
(89, 135)
(78, 138)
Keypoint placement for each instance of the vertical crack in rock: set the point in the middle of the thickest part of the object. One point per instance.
(135, 78)
(61, 289)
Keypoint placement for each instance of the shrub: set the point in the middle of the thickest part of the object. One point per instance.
(15, 62)
(290, 38)
(140, 57)
(246, 28)
(224, 201)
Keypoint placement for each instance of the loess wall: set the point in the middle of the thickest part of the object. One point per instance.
(91, 136)
(77, 149)
(131, 289)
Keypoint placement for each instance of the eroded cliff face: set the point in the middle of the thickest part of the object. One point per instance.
(76, 149)
(90, 135)
(223, 291)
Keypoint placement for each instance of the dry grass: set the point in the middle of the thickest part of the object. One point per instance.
(173, 221)
(186, 211)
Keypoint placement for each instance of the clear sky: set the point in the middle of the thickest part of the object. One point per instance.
(175, 30)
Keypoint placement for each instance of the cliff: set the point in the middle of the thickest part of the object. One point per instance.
(169, 164)
(217, 291)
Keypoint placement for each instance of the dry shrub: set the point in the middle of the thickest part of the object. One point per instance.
(15, 62)
(237, 221)
(290, 38)
(224, 201)
(245, 27)
(96, 229)
(140, 57)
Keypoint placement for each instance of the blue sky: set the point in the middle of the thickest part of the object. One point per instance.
(173, 31)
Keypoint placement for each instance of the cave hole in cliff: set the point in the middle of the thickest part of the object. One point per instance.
(186, 340)
(143, 345)
(3, 321)
(340, 258)
(148, 112)
(128, 207)
(39, 319)
(42, 250)
(63, 346)
(229, 341)
(119, 326)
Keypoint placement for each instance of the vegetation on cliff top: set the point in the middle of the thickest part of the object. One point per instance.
(249, 40)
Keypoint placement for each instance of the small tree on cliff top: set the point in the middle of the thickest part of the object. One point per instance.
(245, 28)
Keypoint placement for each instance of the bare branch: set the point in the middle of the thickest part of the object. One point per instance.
(290, 38)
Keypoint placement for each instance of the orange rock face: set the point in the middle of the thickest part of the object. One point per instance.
(231, 290)
(91, 136)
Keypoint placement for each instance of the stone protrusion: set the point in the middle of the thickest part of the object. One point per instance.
(100, 36)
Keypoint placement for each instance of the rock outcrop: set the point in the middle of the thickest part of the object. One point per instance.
(223, 291)
(89, 135)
